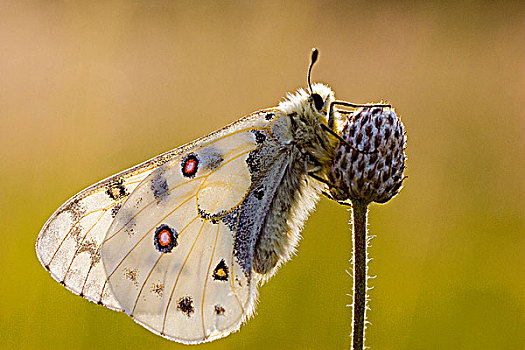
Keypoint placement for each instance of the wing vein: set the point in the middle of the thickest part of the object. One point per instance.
(178, 276)
(206, 280)
(71, 230)
(147, 205)
(144, 283)
(80, 244)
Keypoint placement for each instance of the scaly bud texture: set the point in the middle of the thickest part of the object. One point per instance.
(371, 171)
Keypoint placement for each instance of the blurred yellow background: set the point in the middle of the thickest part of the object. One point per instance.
(90, 88)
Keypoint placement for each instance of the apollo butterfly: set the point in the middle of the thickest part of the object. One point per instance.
(182, 241)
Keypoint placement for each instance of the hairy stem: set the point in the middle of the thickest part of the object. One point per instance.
(359, 211)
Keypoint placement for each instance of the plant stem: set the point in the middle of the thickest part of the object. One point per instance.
(359, 211)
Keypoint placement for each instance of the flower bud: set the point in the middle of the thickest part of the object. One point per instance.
(369, 165)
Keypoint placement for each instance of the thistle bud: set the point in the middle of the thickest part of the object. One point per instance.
(369, 165)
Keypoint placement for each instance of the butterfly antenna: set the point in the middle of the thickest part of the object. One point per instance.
(313, 59)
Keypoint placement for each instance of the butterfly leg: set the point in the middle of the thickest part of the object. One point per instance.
(329, 196)
(330, 131)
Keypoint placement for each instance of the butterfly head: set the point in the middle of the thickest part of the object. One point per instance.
(304, 102)
(320, 98)
(314, 104)
(311, 113)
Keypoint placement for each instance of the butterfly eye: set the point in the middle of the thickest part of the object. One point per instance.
(318, 101)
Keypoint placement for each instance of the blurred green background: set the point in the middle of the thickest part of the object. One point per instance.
(90, 88)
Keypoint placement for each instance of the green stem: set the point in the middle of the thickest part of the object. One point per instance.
(359, 210)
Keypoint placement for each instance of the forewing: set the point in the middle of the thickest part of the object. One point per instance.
(68, 245)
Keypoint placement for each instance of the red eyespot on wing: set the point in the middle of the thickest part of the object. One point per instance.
(190, 165)
(165, 238)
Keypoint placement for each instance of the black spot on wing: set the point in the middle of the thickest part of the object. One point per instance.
(76, 210)
(132, 275)
(260, 137)
(258, 193)
(114, 210)
(219, 310)
(91, 248)
(158, 289)
(159, 186)
(269, 116)
(130, 231)
(253, 161)
(116, 190)
(76, 234)
(185, 305)
(221, 272)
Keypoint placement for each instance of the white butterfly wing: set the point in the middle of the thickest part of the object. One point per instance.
(68, 245)
(193, 288)
(99, 244)
(172, 254)
(181, 242)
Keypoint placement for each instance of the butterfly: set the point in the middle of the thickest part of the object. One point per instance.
(182, 241)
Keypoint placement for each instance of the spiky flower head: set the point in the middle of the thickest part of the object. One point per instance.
(369, 165)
